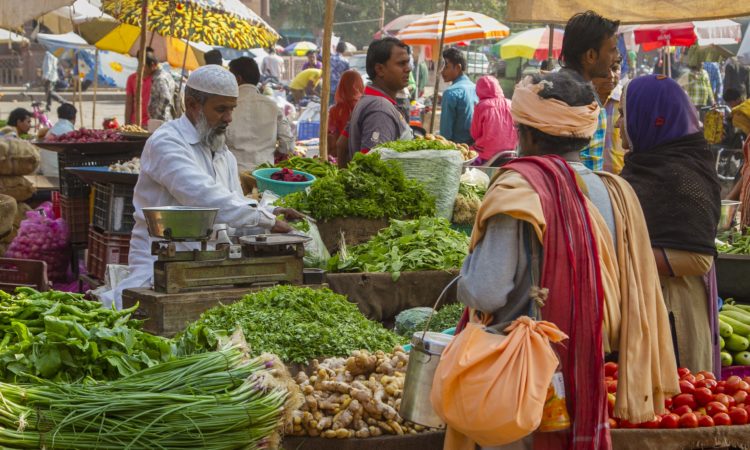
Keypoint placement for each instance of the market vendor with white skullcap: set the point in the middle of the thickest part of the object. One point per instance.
(186, 163)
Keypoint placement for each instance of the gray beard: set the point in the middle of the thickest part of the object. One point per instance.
(213, 138)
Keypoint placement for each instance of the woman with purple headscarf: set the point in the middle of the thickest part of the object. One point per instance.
(672, 171)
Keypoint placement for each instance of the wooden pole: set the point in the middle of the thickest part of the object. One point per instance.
(141, 66)
(326, 93)
(437, 68)
(80, 91)
(96, 86)
(550, 50)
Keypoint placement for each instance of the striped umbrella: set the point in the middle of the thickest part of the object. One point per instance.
(222, 23)
(461, 26)
(531, 44)
(300, 48)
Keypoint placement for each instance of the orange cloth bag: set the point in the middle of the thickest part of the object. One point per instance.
(490, 389)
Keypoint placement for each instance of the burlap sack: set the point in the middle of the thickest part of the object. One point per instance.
(8, 210)
(17, 187)
(18, 157)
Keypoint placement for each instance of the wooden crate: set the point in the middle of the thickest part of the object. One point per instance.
(168, 314)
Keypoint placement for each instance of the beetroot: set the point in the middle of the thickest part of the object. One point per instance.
(288, 175)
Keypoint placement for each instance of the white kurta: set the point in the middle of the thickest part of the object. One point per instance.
(177, 170)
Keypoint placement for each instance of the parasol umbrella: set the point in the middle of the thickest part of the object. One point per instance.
(531, 44)
(124, 38)
(221, 23)
(66, 19)
(460, 26)
(14, 13)
(300, 48)
(9, 37)
(394, 26)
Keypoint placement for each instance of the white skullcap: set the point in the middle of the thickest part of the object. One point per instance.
(214, 79)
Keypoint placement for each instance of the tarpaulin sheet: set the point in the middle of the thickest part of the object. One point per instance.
(626, 11)
(14, 13)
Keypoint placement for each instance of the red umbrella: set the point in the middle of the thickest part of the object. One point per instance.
(652, 37)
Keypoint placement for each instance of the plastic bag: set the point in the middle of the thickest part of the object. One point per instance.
(42, 236)
(316, 253)
(438, 170)
(476, 177)
(491, 389)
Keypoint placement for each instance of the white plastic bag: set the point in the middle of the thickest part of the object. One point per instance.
(438, 170)
(476, 177)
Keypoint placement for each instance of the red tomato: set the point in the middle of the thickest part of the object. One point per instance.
(707, 375)
(652, 424)
(613, 423)
(670, 421)
(688, 420)
(739, 416)
(699, 376)
(747, 408)
(722, 419)
(740, 396)
(612, 387)
(689, 377)
(706, 421)
(686, 387)
(733, 384)
(684, 399)
(682, 371)
(668, 403)
(714, 408)
(726, 399)
(627, 424)
(684, 409)
(744, 385)
(609, 369)
(709, 383)
(703, 395)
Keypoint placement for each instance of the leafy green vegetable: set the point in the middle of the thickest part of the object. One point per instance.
(297, 324)
(418, 144)
(734, 243)
(467, 204)
(214, 401)
(445, 318)
(368, 188)
(315, 166)
(427, 243)
(61, 337)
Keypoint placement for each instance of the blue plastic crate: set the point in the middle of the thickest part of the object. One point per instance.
(308, 130)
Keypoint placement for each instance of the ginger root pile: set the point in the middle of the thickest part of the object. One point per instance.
(352, 397)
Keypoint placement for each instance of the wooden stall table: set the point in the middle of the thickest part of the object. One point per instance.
(725, 437)
(422, 441)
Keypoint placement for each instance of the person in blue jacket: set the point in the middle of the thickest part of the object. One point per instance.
(458, 99)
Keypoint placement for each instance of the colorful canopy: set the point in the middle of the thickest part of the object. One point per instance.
(394, 26)
(125, 39)
(223, 23)
(461, 26)
(531, 44)
(300, 48)
(685, 34)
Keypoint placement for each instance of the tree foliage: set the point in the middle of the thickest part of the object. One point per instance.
(357, 20)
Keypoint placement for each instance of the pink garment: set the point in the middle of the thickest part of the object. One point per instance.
(492, 126)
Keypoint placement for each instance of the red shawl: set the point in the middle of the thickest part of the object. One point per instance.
(575, 301)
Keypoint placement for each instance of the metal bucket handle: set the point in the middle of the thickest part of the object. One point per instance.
(434, 307)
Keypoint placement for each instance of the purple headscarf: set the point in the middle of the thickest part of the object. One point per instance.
(657, 110)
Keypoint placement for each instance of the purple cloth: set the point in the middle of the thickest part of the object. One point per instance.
(712, 291)
(657, 111)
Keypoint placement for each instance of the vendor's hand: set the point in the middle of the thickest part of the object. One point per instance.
(288, 213)
(281, 227)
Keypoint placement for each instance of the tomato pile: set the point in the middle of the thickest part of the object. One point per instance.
(85, 135)
(288, 175)
(703, 401)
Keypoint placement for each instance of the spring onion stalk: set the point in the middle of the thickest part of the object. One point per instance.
(215, 400)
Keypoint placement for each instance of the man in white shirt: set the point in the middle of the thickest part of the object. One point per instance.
(186, 163)
(66, 114)
(273, 66)
(258, 125)
(50, 76)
